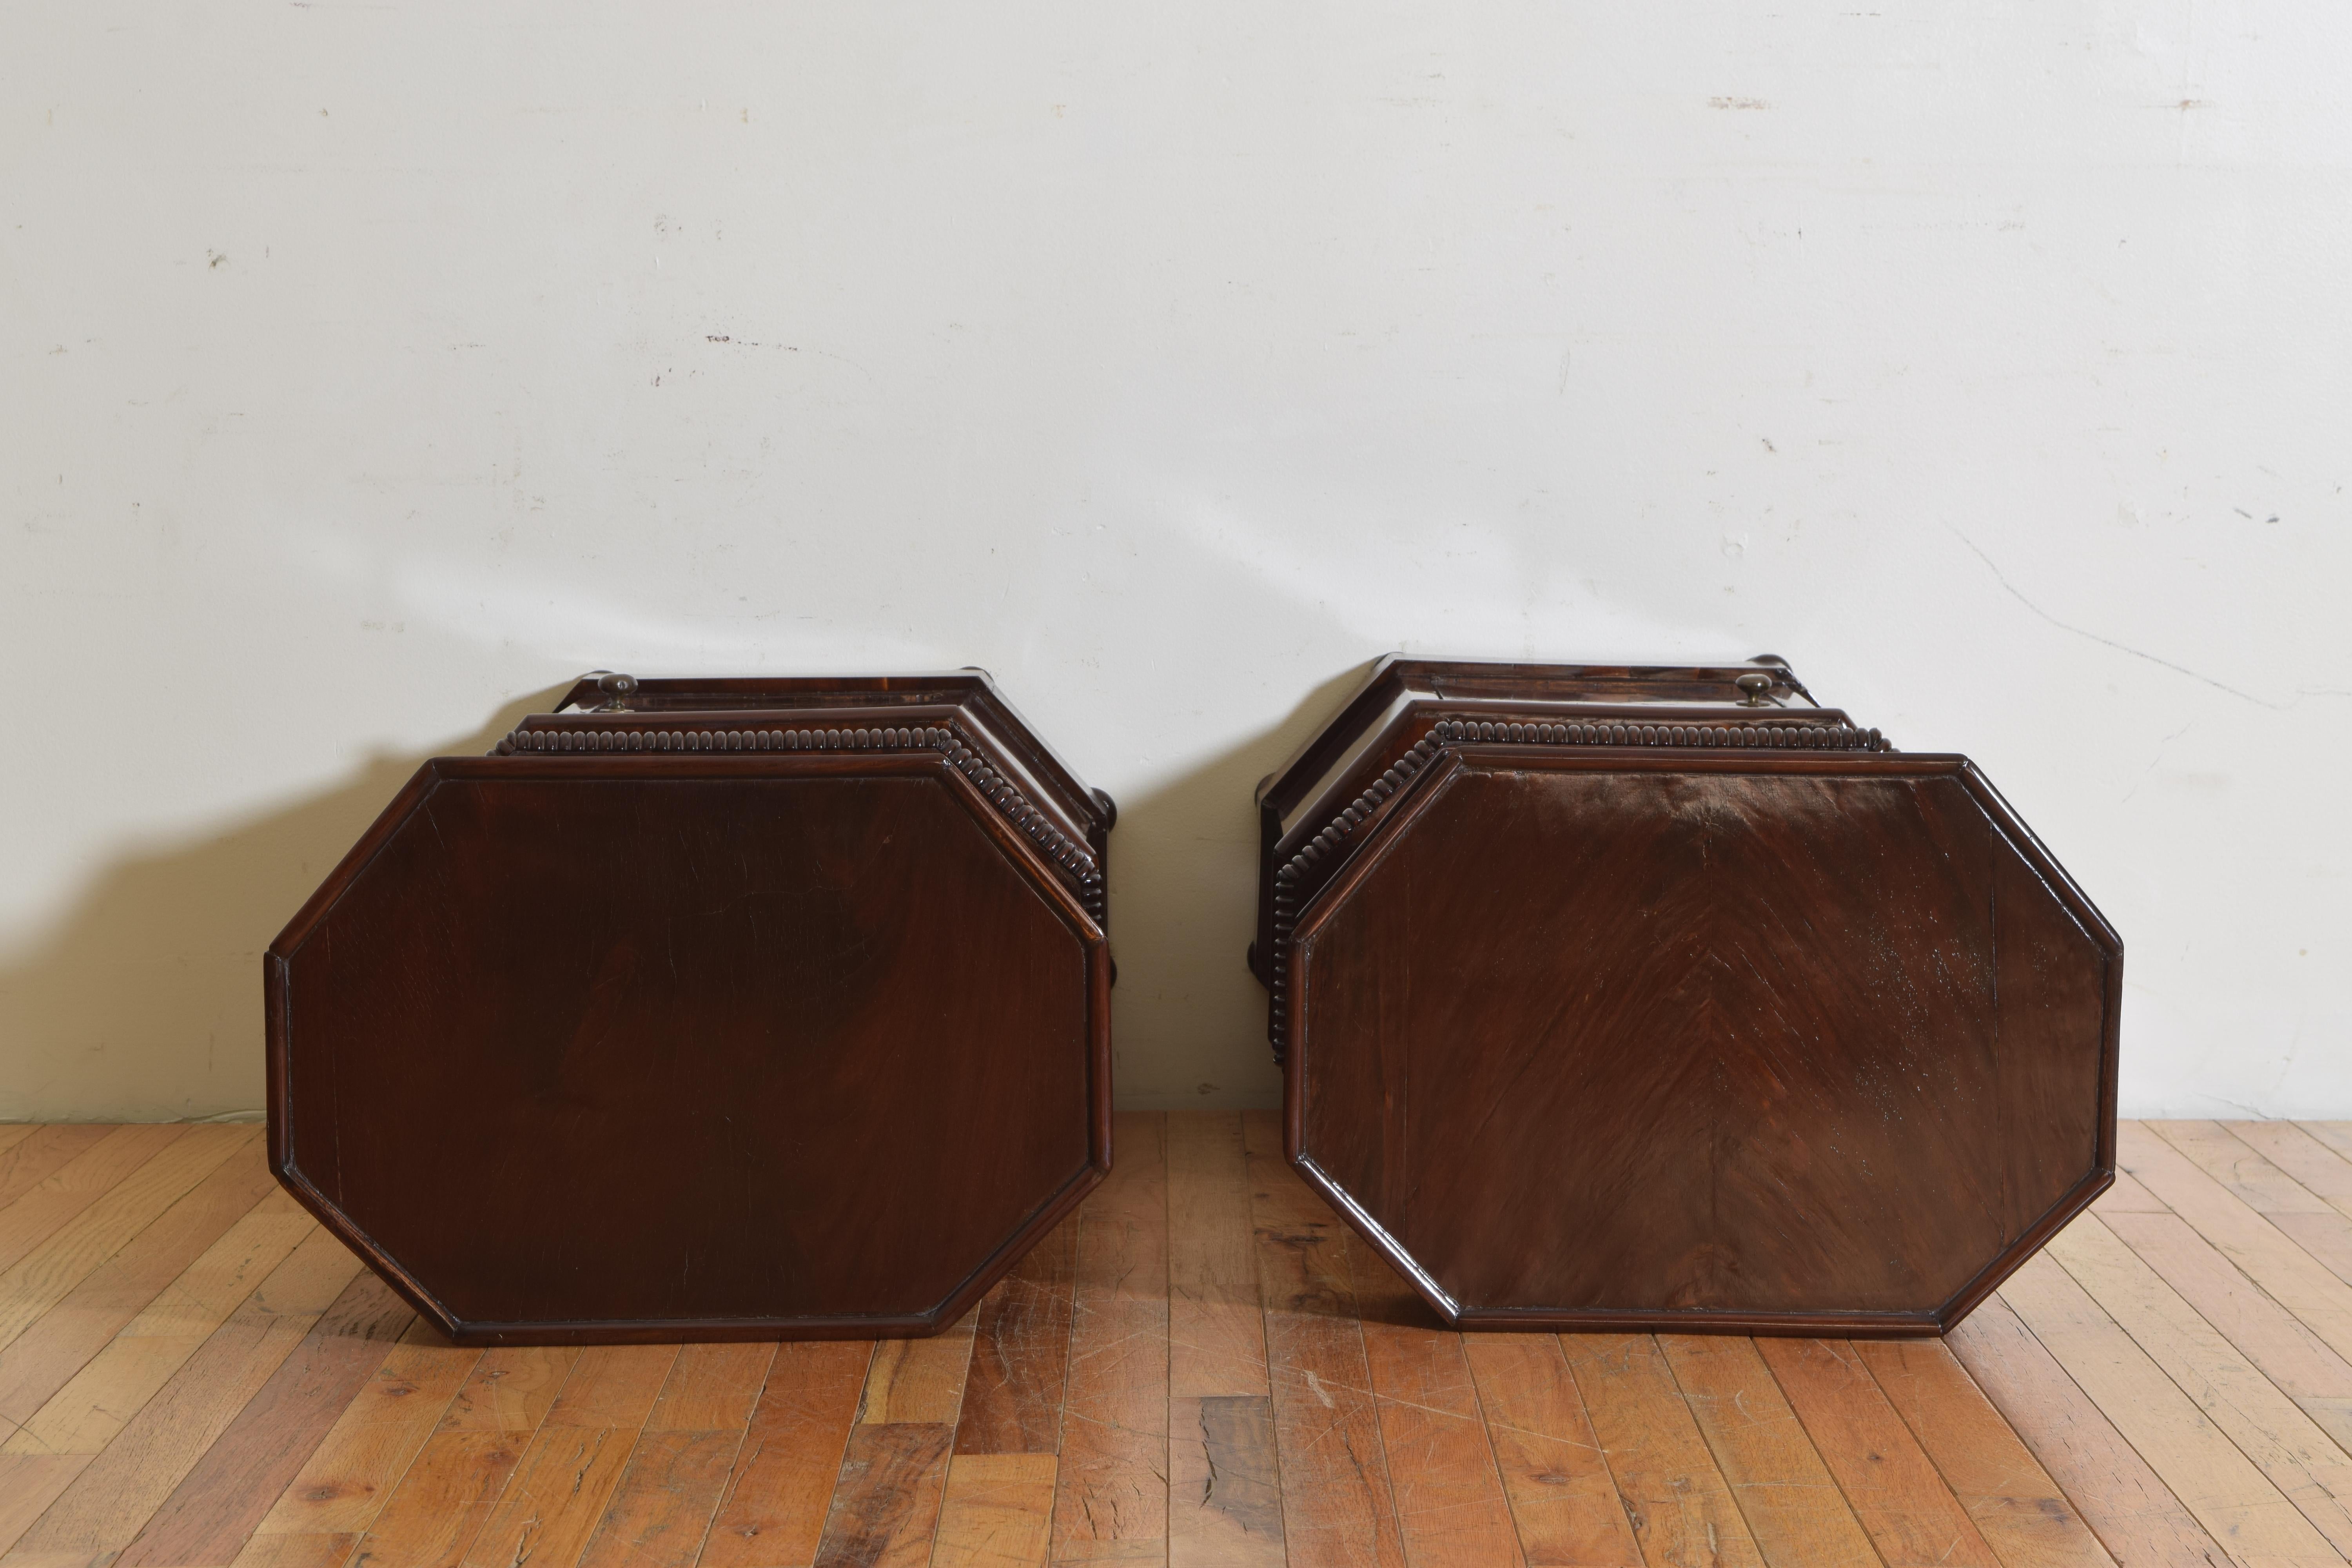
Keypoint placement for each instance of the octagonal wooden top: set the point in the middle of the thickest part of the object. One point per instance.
(761, 1018)
(1695, 1017)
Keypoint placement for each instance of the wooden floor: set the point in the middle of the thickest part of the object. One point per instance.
(1201, 1367)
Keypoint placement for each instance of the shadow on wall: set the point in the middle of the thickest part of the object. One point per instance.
(145, 1002)
(1189, 1018)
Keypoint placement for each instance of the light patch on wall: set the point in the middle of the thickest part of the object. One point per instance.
(593, 626)
(1469, 588)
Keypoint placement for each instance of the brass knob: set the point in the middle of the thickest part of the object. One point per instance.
(616, 687)
(1754, 686)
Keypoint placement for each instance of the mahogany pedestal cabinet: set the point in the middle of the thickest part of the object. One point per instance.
(1665, 999)
(706, 1009)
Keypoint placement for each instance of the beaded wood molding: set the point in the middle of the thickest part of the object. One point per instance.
(1448, 732)
(1782, 737)
(1068, 854)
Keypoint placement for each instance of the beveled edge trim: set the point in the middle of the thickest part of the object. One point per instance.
(356, 859)
(2071, 1203)
(1095, 942)
(2103, 936)
(344, 1228)
(1919, 1324)
(903, 1325)
(1699, 1321)
(1372, 1230)
(644, 1331)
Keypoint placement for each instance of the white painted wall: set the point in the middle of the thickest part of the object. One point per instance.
(367, 369)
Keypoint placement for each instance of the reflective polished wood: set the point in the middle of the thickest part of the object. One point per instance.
(1666, 999)
(707, 1010)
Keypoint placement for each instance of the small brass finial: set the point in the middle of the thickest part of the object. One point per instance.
(615, 687)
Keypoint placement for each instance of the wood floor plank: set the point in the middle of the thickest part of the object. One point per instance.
(213, 1511)
(29, 1483)
(1450, 1504)
(712, 1388)
(2267, 1427)
(442, 1502)
(885, 1505)
(345, 1483)
(1256, 1388)
(1561, 1496)
(510, 1388)
(296, 1551)
(920, 1382)
(2238, 1166)
(71, 1252)
(1111, 1484)
(612, 1385)
(1911, 1516)
(2128, 1197)
(514, 1398)
(1021, 1353)
(1675, 1497)
(2017, 1507)
(38, 1152)
(84, 1415)
(1338, 1511)
(774, 1512)
(663, 1507)
(2237, 1504)
(2320, 1228)
(1216, 1330)
(208, 1289)
(2126, 1503)
(112, 1499)
(2317, 1168)
(2325, 1236)
(998, 1511)
(1794, 1509)
(1336, 1507)
(2264, 1254)
(46, 1355)
(1225, 1483)
(34, 1215)
(2292, 1357)
(555, 1497)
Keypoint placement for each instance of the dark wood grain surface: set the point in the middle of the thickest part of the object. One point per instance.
(1592, 1037)
(1689, 1024)
(603, 1047)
